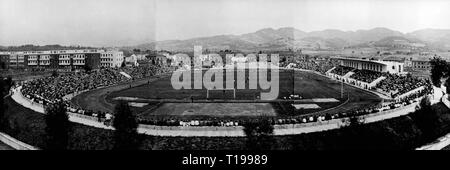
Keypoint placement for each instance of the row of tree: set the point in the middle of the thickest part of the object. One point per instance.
(59, 127)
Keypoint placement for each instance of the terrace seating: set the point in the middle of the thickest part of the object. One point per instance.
(144, 71)
(341, 70)
(319, 66)
(51, 89)
(396, 85)
(367, 76)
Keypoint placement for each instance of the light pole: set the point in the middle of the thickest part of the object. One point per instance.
(342, 83)
(293, 81)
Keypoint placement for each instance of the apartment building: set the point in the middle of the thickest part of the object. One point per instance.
(63, 59)
(112, 58)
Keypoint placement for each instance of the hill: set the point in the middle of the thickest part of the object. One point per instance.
(291, 38)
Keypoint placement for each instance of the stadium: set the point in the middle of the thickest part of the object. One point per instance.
(159, 99)
(319, 98)
(310, 91)
(195, 84)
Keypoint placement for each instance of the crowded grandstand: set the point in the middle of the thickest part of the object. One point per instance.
(396, 85)
(365, 75)
(341, 70)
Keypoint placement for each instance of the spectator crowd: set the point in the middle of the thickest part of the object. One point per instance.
(139, 72)
(341, 70)
(320, 66)
(53, 88)
(367, 76)
(396, 85)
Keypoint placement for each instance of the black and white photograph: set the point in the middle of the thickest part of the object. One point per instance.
(215, 75)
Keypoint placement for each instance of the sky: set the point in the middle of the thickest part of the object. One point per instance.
(130, 22)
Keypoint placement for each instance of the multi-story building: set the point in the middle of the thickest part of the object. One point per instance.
(131, 60)
(44, 60)
(423, 64)
(63, 59)
(17, 60)
(4, 60)
(112, 58)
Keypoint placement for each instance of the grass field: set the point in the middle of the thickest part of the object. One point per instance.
(216, 109)
(310, 86)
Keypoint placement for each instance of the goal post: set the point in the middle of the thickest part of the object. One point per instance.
(208, 95)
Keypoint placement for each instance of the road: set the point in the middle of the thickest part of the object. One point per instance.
(4, 146)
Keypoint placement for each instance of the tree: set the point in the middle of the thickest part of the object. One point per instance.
(259, 133)
(439, 69)
(87, 68)
(2, 65)
(426, 120)
(447, 84)
(2, 103)
(136, 51)
(58, 126)
(54, 73)
(125, 135)
(5, 85)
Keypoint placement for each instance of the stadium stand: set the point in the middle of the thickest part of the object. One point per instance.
(365, 75)
(51, 89)
(341, 70)
(319, 66)
(396, 85)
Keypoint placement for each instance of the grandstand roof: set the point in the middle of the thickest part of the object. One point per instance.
(365, 60)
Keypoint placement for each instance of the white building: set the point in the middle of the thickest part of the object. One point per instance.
(111, 58)
(140, 56)
(373, 65)
(131, 60)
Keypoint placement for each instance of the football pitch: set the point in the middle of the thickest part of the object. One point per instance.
(307, 85)
(317, 93)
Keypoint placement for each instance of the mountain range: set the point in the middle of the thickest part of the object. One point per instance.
(329, 39)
